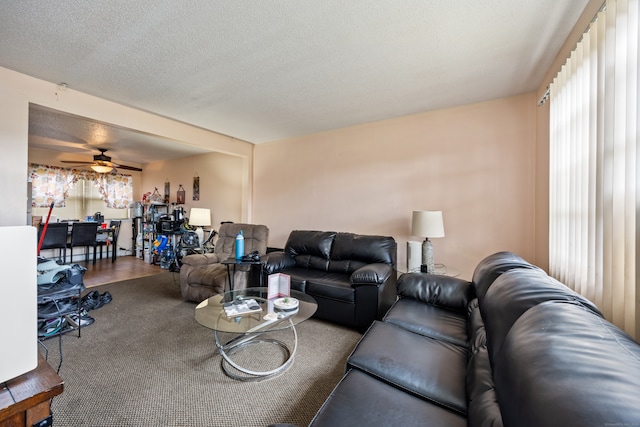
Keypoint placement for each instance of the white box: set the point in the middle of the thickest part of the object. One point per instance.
(414, 256)
(18, 301)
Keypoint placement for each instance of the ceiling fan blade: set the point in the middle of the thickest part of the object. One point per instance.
(103, 160)
(131, 168)
(77, 162)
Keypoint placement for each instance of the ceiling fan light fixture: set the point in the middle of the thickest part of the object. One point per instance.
(102, 168)
(102, 163)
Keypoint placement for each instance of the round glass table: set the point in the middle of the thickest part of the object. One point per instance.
(249, 315)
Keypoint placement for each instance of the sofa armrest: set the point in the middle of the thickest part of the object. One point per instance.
(201, 259)
(435, 289)
(276, 262)
(371, 274)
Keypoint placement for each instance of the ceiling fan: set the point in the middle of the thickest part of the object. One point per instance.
(102, 163)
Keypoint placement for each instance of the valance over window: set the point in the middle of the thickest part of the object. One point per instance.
(51, 184)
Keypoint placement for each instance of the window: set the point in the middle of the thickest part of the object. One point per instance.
(595, 165)
(77, 194)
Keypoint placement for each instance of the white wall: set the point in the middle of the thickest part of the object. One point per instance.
(14, 126)
(18, 90)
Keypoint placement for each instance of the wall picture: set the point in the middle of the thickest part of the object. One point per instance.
(167, 190)
(180, 195)
(196, 187)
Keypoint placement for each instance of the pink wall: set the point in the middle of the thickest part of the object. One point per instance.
(221, 183)
(476, 163)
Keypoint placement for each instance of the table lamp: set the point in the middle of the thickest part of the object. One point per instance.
(200, 217)
(427, 224)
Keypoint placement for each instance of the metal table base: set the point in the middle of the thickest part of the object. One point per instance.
(249, 338)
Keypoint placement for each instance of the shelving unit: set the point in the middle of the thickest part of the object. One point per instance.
(66, 302)
(146, 224)
(155, 220)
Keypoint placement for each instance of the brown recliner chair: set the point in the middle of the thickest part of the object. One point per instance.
(202, 275)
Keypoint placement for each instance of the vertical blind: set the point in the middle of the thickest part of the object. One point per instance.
(594, 166)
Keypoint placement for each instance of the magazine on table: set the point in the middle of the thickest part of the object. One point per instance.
(240, 307)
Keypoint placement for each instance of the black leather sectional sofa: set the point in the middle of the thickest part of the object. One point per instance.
(351, 276)
(512, 348)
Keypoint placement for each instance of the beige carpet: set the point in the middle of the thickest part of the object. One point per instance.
(147, 362)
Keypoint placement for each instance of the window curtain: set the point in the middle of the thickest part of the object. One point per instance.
(115, 189)
(594, 166)
(51, 184)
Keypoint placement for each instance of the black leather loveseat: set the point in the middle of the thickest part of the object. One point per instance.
(352, 277)
(513, 348)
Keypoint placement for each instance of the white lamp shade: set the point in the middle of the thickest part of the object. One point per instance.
(200, 217)
(427, 224)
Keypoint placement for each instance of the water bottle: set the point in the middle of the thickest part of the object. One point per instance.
(240, 245)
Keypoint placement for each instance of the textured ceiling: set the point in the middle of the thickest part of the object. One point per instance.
(80, 138)
(267, 70)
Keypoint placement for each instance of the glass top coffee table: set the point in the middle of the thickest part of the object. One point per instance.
(249, 316)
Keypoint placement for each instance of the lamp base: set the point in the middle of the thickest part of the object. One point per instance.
(427, 257)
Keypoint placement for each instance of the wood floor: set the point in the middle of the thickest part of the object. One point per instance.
(124, 268)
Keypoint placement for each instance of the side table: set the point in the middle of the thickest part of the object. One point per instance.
(238, 262)
(25, 400)
(440, 269)
(445, 270)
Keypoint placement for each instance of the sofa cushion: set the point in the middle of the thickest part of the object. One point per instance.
(298, 278)
(277, 261)
(353, 251)
(493, 266)
(515, 292)
(361, 400)
(429, 320)
(477, 332)
(480, 375)
(483, 408)
(329, 285)
(563, 365)
(484, 411)
(310, 249)
(431, 369)
(255, 238)
(196, 260)
(376, 274)
(436, 289)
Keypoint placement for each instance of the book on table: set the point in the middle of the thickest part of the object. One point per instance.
(240, 307)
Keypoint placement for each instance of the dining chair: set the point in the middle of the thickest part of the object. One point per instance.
(83, 234)
(110, 239)
(55, 237)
